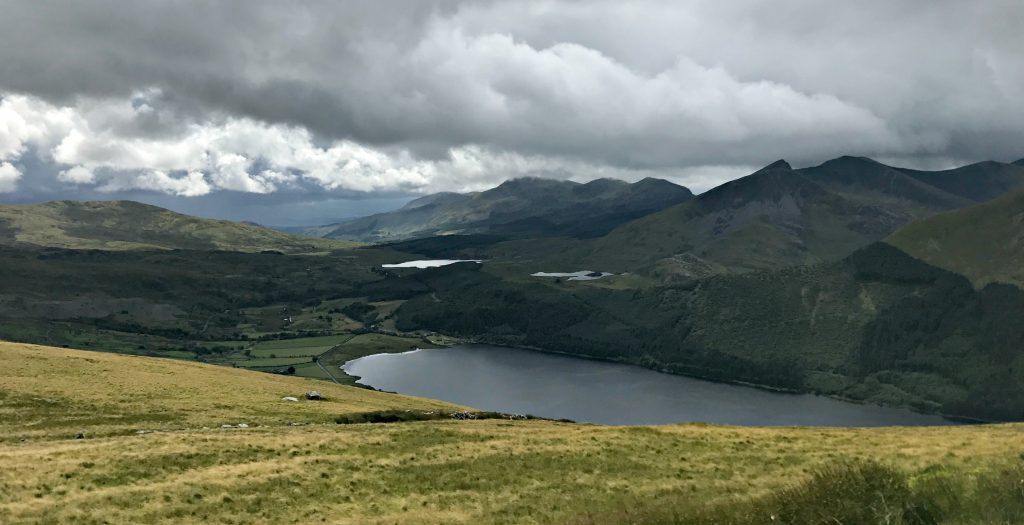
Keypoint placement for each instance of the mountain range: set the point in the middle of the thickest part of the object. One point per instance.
(524, 207)
(774, 218)
(779, 216)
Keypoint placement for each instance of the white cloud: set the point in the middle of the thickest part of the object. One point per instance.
(26, 120)
(77, 175)
(248, 156)
(9, 176)
(192, 184)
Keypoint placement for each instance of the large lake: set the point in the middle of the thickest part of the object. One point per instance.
(554, 386)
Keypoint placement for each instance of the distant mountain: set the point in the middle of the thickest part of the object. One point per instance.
(978, 182)
(128, 225)
(779, 217)
(872, 183)
(983, 242)
(522, 208)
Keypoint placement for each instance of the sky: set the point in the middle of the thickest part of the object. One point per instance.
(306, 112)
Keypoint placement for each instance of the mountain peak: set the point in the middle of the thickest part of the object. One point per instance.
(657, 183)
(527, 180)
(777, 165)
(850, 159)
(847, 165)
(433, 198)
(605, 182)
(523, 184)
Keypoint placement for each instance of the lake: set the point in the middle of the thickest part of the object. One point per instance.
(527, 382)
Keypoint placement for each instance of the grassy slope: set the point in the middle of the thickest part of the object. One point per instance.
(428, 472)
(54, 392)
(984, 242)
(127, 225)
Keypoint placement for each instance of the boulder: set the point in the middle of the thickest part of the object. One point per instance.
(313, 395)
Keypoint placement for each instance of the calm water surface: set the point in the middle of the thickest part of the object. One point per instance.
(527, 382)
(428, 263)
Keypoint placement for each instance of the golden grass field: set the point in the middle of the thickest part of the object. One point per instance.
(185, 468)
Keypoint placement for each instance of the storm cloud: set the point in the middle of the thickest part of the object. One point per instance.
(318, 100)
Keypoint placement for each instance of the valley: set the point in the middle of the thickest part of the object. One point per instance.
(865, 321)
(774, 281)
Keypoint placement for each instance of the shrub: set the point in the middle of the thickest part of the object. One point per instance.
(851, 493)
(399, 416)
(848, 493)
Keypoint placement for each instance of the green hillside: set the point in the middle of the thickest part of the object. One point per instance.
(984, 242)
(527, 207)
(127, 225)
(878, 326)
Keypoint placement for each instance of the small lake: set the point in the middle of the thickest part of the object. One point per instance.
(526, 382)
(582, 275)
(428, 263)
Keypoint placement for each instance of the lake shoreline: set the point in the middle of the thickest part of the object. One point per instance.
(518, 381)
(962, 420)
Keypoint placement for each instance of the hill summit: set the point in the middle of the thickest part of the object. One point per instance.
(129, 225)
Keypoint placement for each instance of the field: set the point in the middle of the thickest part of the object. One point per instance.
(304, 353)
(368, 344)
(183, 467)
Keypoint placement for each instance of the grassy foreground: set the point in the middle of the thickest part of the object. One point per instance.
(186, 468)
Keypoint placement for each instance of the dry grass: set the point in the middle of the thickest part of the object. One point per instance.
(428, 472)
(51, 393)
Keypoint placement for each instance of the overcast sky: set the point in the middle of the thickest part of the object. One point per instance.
(304, 112)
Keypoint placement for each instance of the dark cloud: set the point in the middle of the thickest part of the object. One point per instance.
(681, 89)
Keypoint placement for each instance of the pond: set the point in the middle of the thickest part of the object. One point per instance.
(556, 386)
(428, 263)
